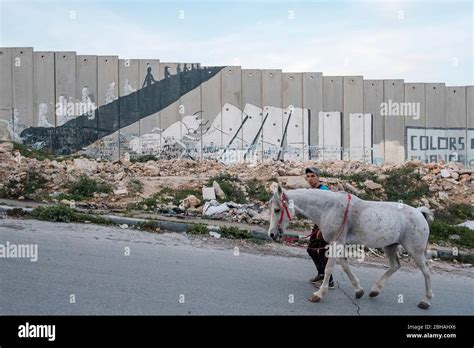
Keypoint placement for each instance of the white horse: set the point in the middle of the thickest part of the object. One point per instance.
(347, 220)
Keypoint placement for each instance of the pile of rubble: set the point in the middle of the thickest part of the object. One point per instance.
(448, 182)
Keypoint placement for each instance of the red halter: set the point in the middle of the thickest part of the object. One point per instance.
(284, 209)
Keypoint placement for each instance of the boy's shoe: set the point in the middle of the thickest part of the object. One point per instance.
(331, 285)
(316, 279)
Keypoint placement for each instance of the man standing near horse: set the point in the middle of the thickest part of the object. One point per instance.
(317, 245)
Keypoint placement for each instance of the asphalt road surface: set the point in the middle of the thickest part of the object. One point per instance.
(86, 269)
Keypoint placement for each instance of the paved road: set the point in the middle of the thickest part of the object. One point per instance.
(89, 262)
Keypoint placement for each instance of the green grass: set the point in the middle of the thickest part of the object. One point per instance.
(197, 229)
(223, 177)
(256, 191)
(440, 232)
(135, 186)
(180, 194)
(28, 152)
(405, 185)
(402, 184)
(85, 188)
(228, 184)
(151, 203)
(148, 225)
(233, 232)
(69, 197)
(455, 213)
(17, 212)
(57, 213)
(62, 213)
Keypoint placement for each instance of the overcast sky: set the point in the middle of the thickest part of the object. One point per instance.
(419, 41)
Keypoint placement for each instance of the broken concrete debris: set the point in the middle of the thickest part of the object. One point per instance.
(447, 183)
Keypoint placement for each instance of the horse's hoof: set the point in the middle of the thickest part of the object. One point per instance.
(423, 305)
(373, 293)
(314, 298)
(359, 293)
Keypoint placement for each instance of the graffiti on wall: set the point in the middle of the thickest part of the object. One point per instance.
(435, 144)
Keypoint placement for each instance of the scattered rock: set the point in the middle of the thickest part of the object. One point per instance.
(85, 166)
(213, 207)
(208, 193)
(215, 234)
(6, 147)
(352, 188)
(218, 191)
(372, 185)
(443, 195)
(295, 182)
(190, 202)
(445, 173)
(121, 191)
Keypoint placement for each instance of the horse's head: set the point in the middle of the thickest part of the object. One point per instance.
(281, 212)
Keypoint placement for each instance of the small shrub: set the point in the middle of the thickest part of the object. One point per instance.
(455, 213)
(440, 232)
(85, 188)
(17, 212)
(405, 185)
(257, 191)
(232, 192)
(57, 213)
(62, 213)
(148, 225)
(151, 203)
(135, 186)
(197, 229)
(223, 177)
(228, 184)
(233, 232)
(95, 219)
(180, 194)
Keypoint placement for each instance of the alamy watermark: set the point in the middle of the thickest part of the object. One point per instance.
(404, 109)
(37, 331)
(24, 251)
(353, 251)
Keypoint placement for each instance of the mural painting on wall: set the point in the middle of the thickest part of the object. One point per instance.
(13, 127)
(74, 118)
(221, 137)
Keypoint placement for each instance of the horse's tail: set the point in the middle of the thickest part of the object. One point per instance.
(429, 216)
(427, 213)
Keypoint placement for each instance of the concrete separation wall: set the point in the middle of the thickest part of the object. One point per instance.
(103, 106)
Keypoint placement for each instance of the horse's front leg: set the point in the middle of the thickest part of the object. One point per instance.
(318, 295)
